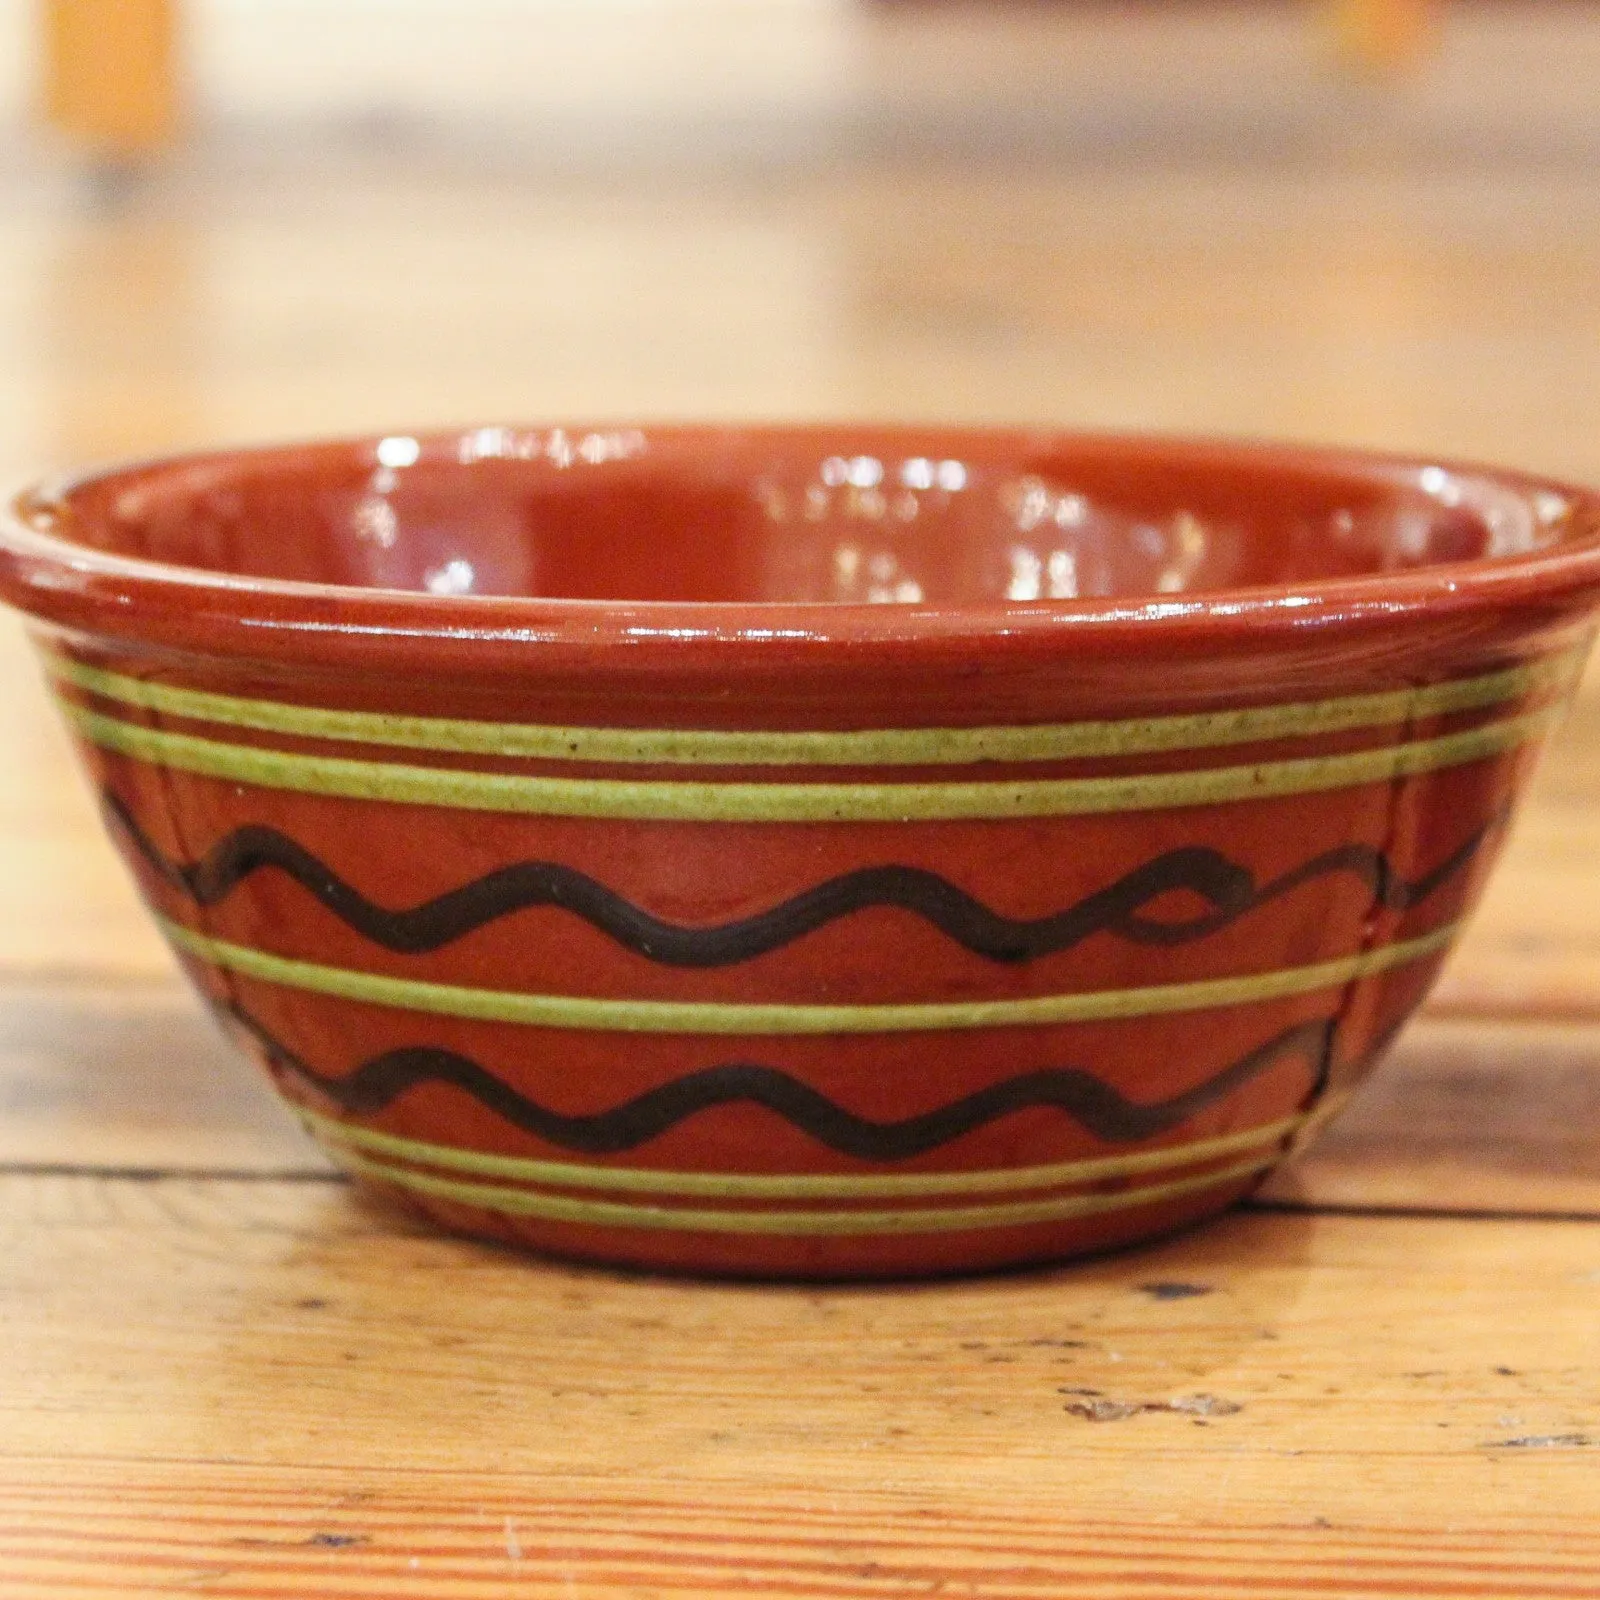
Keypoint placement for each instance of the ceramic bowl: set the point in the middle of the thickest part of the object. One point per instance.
(808, 851)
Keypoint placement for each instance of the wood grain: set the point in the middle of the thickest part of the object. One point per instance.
(1464, 1116)
(131, 1075)
(307, 1373)
(66, 905)
(1533, 947)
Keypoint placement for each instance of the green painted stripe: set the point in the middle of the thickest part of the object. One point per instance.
(796, 802)
(918, 1219)
(791, 1186)
(869, 747)
(717, 1017)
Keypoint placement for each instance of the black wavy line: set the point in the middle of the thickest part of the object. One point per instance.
(1098, 1107)
(1229, 889)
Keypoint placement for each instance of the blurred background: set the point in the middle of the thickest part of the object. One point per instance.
(1366, 220)
(1371, 221)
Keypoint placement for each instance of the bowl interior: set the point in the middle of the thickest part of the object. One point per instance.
(803, 515)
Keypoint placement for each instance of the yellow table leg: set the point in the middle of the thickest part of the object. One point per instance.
(111, 74)
(1383, 35)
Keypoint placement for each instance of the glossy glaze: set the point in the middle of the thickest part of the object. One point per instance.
(734, 849)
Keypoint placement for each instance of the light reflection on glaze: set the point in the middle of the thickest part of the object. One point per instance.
(862, 526)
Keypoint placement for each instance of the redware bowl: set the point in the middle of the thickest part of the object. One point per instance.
(809, 851)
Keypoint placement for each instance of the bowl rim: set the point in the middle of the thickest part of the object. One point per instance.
(64, 581)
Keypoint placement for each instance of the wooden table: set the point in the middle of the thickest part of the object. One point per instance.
(226, 1374)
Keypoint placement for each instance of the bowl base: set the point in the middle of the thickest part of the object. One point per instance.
(834, 1257)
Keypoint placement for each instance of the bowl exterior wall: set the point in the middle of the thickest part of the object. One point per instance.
(719, 994)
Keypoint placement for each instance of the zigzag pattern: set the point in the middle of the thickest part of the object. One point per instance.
(1228, 889)
(1094, 1104)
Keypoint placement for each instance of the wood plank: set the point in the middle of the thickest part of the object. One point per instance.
(1532, 950)
(1533, 947)
(319, 1403)
(133, 1076)
(332, 1534)
(66, 904)
(1363, 302)
(1463, 1117)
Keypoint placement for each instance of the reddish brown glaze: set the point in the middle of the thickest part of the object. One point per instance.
(816, 663)
(435, 933)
